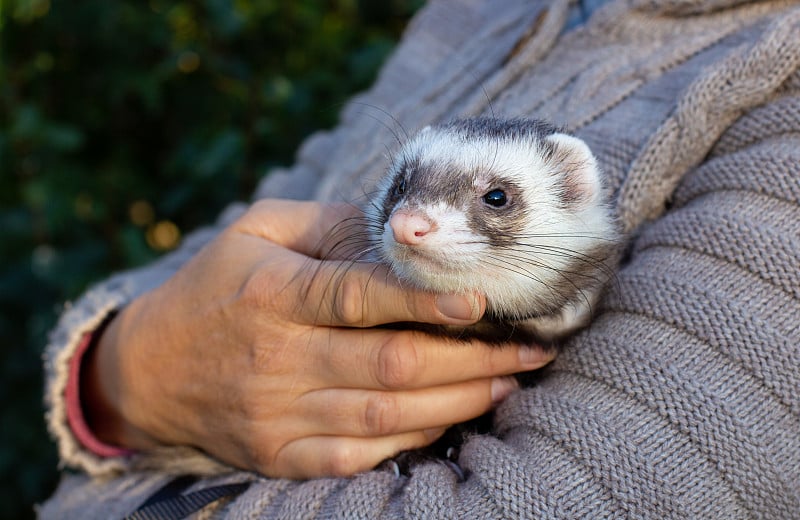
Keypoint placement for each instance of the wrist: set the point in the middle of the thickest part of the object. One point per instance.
(101, 393)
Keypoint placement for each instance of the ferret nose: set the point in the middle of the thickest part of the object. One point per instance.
(409, 228)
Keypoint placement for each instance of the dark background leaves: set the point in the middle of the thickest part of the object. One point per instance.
(125, 124)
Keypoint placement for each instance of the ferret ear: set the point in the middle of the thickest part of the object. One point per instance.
(572, 158)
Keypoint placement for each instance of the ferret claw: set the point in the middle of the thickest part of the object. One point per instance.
(401, 465)
(395, 468)
(455, 468)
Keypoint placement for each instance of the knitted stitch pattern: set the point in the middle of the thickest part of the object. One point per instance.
(682, 399)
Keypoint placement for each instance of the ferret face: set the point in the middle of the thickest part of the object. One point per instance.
(512, 209)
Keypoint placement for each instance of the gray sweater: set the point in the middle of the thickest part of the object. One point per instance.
(682, 400)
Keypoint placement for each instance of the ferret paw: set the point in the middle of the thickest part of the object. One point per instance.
(403, 463)
(451, 461)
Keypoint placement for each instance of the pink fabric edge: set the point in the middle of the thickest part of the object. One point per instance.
(75, 417)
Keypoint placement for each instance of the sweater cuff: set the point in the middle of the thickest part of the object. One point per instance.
(84, 317)
(72, 396)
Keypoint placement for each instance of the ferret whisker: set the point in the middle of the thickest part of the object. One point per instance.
(599, 263)
(554, 253)
(598, 273)
(365, 198)
(561, 272)
(357, 251)
(539, 263)
(391, 129)
(348, 242)
(344, 247)
(517, 269)
(568, 235)
(340, 227)
(334, 282)
(388, 114)
(388, 151)
(597, 276)
(572, 253)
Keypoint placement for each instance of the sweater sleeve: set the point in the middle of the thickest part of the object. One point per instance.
(681, 399)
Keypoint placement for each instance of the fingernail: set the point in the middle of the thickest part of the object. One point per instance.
(458, 307)
(501, 387)
(434, 433)
(534, 357)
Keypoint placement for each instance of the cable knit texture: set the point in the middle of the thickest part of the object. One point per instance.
(682, 400)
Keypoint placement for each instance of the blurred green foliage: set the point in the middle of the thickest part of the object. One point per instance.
(124, 124)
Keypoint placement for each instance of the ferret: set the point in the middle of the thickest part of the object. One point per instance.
(514, 209)
(511, 208)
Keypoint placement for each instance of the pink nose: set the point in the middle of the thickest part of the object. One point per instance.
(410, 228)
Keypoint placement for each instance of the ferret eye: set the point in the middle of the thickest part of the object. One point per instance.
(400, 188)
(496, 198)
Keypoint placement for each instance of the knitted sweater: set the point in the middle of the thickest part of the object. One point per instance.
(682, 400)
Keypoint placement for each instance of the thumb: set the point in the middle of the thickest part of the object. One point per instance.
(311, 228)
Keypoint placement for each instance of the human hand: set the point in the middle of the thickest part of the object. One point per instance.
(249, 354)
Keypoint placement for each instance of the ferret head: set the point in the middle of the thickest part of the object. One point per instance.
(513, 209)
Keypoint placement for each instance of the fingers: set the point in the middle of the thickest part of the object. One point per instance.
(357, 413)
(383, 359)
(345, 293)
(344, 456)
(307, 227)
(351, 294)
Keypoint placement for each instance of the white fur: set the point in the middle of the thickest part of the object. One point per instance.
(455, 259)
